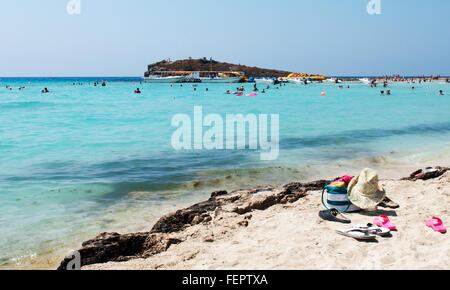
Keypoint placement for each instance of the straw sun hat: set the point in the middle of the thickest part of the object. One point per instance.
(363, 190)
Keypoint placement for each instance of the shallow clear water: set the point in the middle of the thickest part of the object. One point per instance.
(83, 159)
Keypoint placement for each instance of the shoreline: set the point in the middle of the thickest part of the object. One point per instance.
(184, 239)
(138, 220)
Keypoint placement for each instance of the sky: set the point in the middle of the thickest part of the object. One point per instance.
(120, 38)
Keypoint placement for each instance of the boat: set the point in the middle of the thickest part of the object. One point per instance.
(365, 81)
(299, 81)
(219, 77)
(219, 80)
(304, 79)
(193, 77)
(161, 79)
(268, 81)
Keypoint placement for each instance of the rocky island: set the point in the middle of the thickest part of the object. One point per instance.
(205, 64)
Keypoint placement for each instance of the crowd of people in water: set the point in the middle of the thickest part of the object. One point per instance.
(386, 81)
(239, 90)
(421, 79)
(255, 89)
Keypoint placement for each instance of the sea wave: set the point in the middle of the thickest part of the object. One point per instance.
(359, 136)
(26, 104)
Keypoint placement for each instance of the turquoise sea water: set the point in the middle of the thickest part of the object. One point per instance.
(83, 160)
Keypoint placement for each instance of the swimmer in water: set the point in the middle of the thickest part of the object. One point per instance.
(45, 91)
(382, 93)
(388, 92)
(263, 91)
(441, 93)
(137, 91)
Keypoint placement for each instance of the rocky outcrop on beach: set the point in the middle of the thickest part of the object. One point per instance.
(226, 214)
(293, 236)
(113, 247)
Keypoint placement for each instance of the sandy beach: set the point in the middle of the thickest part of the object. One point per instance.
(290, 235)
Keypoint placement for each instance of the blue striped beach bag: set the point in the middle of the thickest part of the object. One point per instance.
(337, 198)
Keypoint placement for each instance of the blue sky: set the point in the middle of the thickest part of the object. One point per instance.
(119, 38)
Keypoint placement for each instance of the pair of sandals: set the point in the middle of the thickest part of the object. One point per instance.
(336, 216)
(365, 232)
(359, 232)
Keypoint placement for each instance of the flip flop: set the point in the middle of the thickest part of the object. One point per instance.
(334, 215)
(374, 229)
(384, 222)
(389, 203)
(436, 224)
(356, 233)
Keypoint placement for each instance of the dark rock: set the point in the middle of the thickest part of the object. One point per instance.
(296, 187)
(177, 221)
(243, 223)
(113, 247)
(218, 193)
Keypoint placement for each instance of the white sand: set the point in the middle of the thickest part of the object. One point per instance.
(294, 237)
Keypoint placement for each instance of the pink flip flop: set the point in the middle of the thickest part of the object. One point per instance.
(436, 224)
(384, 222)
